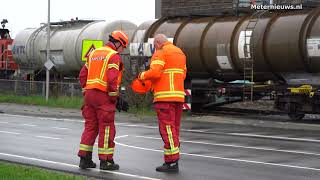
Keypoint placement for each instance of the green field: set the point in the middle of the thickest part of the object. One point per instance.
(9, 171)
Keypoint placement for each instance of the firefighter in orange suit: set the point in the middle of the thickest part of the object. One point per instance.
(167, 73)
(100, 78)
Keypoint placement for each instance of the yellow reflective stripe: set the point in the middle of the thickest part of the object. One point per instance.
(99, 81)
(171, 79)
(84, 147)
(172, 150)
(169, 96)
(106, 137)
(86, 64)
(106, 60)
(116, 66)
(169, 132)
(105, 151)
(170, 92)
(165, 94)
(160, 62)
(113, 93)
(174, 70)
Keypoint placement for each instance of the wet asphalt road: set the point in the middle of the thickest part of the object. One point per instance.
(209, 151)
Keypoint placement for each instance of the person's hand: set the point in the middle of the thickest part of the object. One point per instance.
(139, 76)
(113, 99)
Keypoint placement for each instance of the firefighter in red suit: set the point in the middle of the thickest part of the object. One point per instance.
(100, 79)
(167, 73)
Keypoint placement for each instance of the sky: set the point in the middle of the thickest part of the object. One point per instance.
(23, 14)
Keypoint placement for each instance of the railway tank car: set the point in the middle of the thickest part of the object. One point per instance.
(285, 45)
(285, 49)
(29, 46)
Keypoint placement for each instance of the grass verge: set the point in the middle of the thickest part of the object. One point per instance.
(10, 171)
(62, 102)
(142, 111)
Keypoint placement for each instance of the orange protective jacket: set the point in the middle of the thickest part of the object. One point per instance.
(167, 73)
(102, 71)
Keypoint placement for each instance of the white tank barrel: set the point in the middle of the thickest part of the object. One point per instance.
(29, 46)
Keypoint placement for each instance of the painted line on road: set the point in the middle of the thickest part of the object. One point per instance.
(31, 125)
(7, 132)
(275, 137)
(139, 125)
(75, 166)
(47, 137)
(238, 146)
(193, 130)
(118, 137)
(223, 158)
(59, 119)
(188, 130)
(61, 128)
(45, 118)
(3, 122)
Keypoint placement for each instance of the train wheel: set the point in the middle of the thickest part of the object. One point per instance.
(295, 111)
(296, 116)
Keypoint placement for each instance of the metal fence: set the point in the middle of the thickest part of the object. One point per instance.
(26, 88)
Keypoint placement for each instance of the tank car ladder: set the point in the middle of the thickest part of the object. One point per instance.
(248, 61)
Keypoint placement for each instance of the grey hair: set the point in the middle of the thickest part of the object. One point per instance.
(160, 38)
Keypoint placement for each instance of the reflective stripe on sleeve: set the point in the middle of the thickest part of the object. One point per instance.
(174, 70)
(113, 93)
(159, 62)
(116, 66)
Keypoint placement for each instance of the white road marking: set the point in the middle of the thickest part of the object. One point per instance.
(193, 130)
(223, 158)
(46, 118)
(275, 137)
(188, 130)
(3, 122)
(31, 125)
(61, 128)
(77, 167)
(47, 137)
(7, 132)
(118, 137)
(139, 125)
(238, 146)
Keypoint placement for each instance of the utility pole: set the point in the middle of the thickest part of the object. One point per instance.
(48, 53)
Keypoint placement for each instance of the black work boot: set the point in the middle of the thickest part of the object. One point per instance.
(86, 162)
(168, 167)
(108, 165)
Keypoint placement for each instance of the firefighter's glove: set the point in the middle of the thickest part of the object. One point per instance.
(122, 105)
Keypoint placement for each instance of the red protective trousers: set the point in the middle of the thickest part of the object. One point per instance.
(98, 112)
(169, 118)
